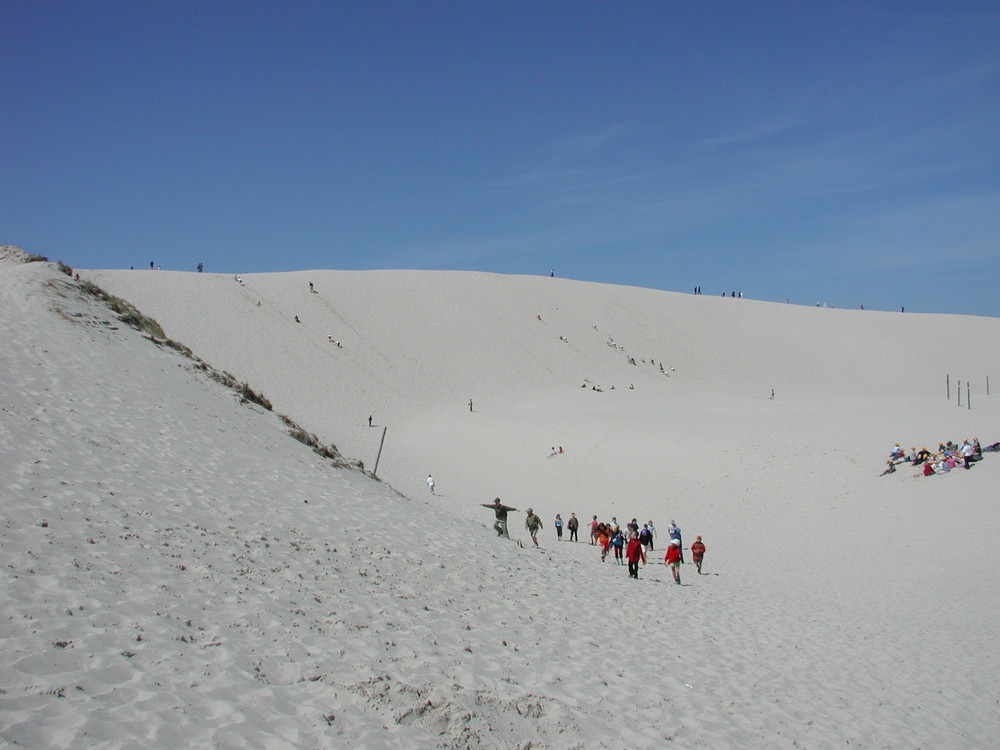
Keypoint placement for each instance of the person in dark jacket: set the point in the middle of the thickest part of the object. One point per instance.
(501, 511)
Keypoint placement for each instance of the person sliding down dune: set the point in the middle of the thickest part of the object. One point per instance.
(501, 510)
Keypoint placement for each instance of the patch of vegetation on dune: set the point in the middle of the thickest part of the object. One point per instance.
(130, 315)
(308, 438)
(127, 312)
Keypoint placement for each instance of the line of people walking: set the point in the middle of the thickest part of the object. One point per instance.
(630, 545)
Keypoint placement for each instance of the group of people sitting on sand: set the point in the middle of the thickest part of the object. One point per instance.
(948, 456)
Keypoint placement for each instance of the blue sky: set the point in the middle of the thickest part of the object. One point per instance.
(843, 152)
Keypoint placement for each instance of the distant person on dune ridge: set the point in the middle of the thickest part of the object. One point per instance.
(430, 483)
(559, 527)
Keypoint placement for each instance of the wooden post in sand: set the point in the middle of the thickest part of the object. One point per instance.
(968, 398)
(959, 392)
(987, 385)
(947, 385)
(381, 443)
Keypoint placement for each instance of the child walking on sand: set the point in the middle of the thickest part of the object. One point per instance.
(697, 553)
(673, 559)
(603, 537)
(634, 554)
(618, 542)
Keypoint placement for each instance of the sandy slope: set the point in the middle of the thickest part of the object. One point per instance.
(178, 571)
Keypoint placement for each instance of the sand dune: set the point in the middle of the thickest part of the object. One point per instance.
(178, 571)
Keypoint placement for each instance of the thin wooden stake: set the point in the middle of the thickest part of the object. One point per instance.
(381, 443)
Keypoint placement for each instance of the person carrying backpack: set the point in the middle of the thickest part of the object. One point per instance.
(646, 537)
(618, 542)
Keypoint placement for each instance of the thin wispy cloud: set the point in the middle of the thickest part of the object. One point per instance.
(753, 133)
(707, 141)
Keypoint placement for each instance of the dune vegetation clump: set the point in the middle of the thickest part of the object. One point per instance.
(242, 388)
(126, 311)
(307, 438)
(130, 315)
(15, 254)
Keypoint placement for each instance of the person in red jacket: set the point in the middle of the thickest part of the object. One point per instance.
(698, 553)
(634, 553)
(673, 559)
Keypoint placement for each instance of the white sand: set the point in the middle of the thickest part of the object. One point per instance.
(177, 571)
